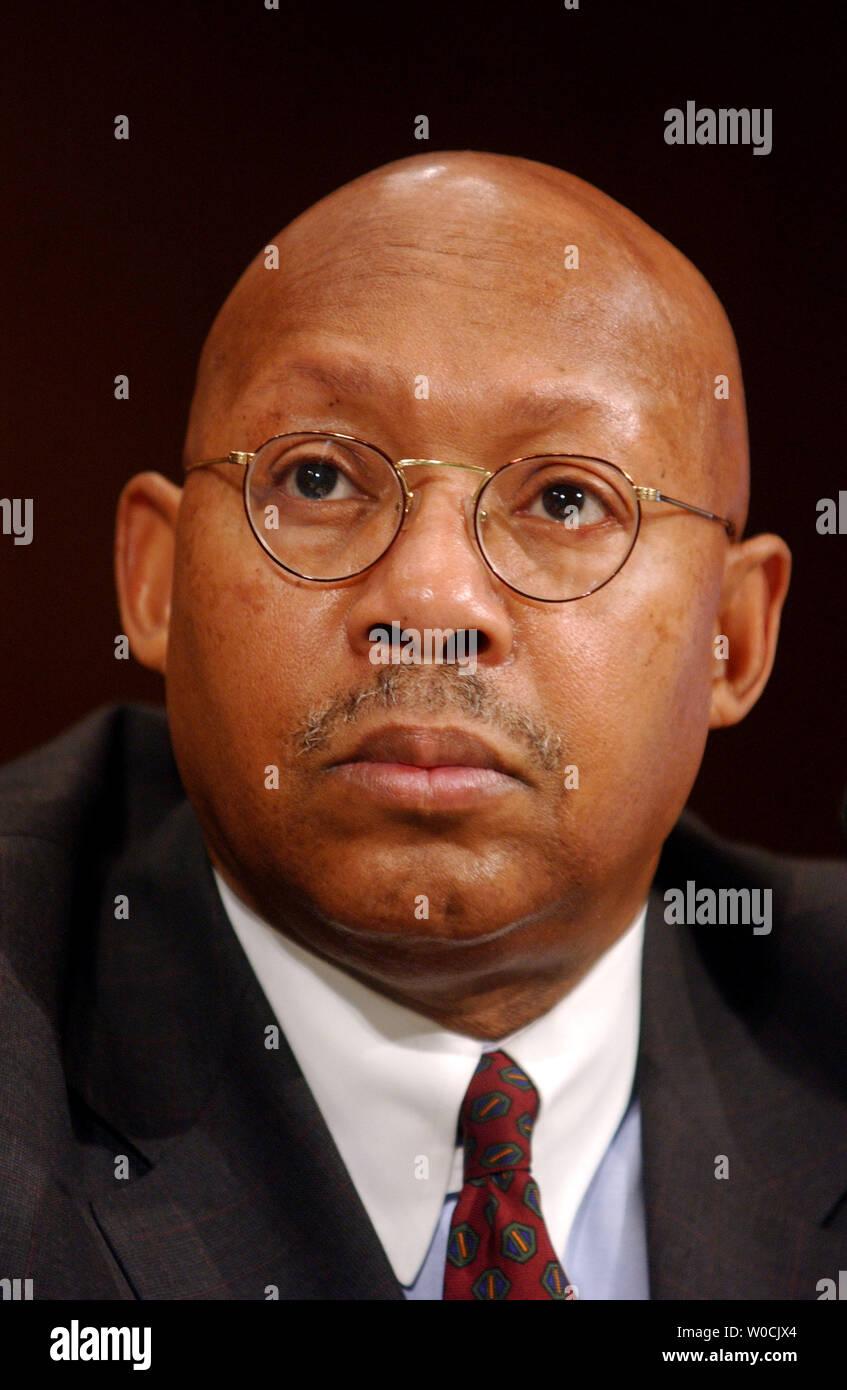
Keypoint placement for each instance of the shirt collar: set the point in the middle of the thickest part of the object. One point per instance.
(390, 1082)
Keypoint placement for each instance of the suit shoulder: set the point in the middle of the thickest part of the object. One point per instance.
(91, 771)
(802, 888)
(791, 978)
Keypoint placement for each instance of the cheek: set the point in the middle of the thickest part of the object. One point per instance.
(628, 676)
(669, 709)
(246, 647)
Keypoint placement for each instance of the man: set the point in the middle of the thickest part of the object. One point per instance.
(465, 394)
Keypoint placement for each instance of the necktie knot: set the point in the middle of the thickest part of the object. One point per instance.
(498, 1114)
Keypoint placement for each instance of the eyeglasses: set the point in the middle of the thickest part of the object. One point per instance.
(327, 507)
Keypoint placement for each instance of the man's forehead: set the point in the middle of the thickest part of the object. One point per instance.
(506, 265)
(530, 341)
(513, 390)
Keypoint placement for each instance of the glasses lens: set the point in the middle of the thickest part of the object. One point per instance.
(324, 507)
(557, 528)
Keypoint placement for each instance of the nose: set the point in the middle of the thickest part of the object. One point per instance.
(433, 576)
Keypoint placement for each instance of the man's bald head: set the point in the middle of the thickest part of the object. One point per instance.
(486, 234)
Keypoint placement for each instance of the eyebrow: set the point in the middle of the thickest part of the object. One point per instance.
(348, 378)
(547, 400)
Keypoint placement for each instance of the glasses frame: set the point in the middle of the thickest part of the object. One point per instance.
(244, 460)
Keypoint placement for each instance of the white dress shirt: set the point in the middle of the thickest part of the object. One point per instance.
(390, 1084)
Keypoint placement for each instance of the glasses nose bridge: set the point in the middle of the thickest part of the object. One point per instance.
(469, 501)
(403, 464)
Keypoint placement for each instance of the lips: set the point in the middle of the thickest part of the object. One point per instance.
(427, 747)
(424, 771)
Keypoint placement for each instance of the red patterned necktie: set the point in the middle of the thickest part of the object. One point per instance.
(498, 1245)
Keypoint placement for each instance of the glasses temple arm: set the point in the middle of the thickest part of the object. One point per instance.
(651, 494)
(236, 456)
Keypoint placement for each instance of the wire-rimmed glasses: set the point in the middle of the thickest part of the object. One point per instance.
(553, 527)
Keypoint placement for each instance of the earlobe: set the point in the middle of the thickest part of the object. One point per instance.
(755, 584)
(145, 535)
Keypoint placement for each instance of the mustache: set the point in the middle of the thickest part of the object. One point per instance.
(447, 691)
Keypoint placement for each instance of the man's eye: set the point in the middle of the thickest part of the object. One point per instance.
(570, 503)
(316, 480)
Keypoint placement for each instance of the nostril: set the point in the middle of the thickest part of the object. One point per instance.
(474, 639)
(392, 643)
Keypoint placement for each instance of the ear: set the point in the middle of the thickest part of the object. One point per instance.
(755, 583)
(145, 533)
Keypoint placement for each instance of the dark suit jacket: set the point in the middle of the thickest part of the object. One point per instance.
(144, 1038)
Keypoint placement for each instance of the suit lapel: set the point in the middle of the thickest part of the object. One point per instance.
(711, 1102)
(239, 1191)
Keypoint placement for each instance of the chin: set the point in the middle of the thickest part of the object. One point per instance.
(415, 907)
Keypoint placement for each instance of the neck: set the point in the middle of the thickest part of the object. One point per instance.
(486, 987)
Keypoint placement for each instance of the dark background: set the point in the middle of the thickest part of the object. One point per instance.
(121, 252)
